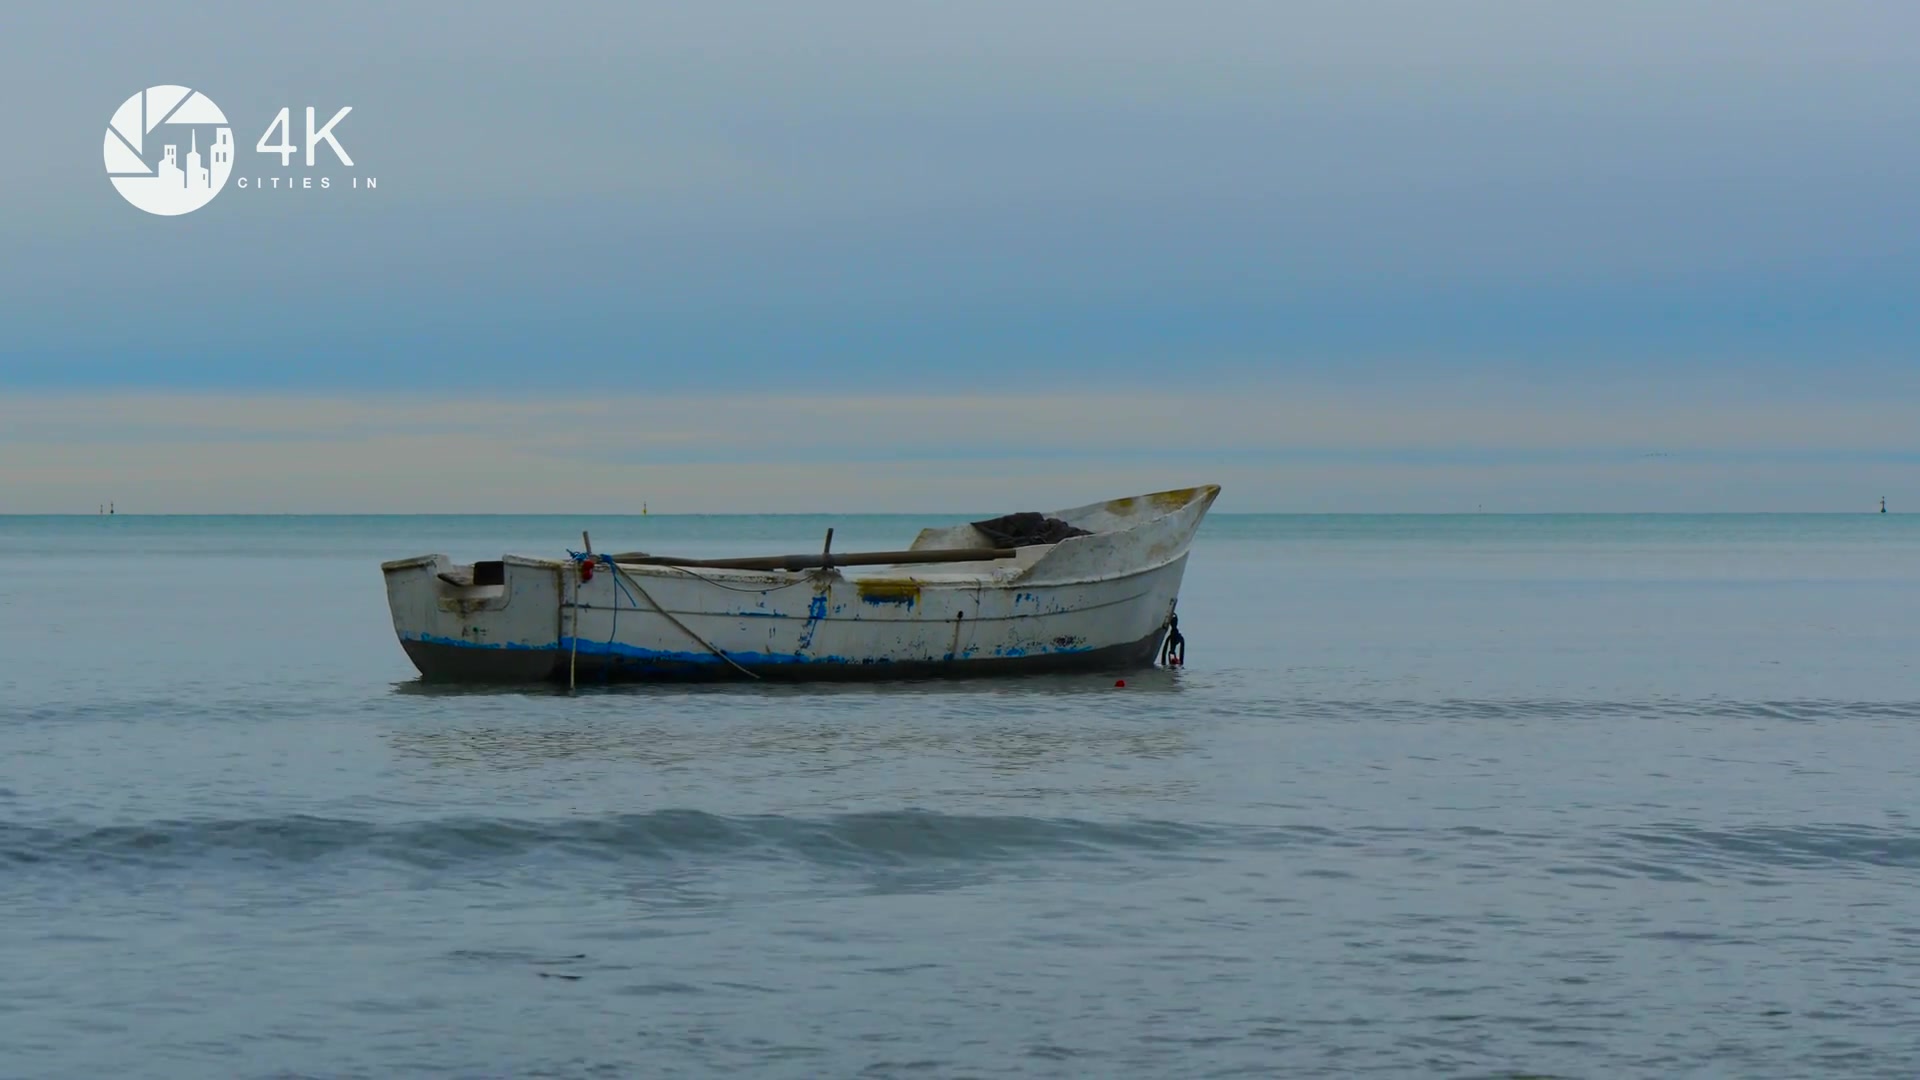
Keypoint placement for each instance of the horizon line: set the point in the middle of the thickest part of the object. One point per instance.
(1875, 512)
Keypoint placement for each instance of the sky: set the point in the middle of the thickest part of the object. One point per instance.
(870, 256)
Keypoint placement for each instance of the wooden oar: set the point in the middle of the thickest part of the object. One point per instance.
(810, 562)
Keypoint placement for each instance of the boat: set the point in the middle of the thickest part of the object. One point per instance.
(1091, 588)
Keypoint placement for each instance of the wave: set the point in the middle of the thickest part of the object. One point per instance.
(1795, 846)
(1809, 710)
(840, 840)
(920, 839)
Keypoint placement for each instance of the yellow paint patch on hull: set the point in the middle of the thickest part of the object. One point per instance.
(889, 591)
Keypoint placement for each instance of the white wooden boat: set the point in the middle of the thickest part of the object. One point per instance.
(1100, 600)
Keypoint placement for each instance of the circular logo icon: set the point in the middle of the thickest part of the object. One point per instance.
(169, 150)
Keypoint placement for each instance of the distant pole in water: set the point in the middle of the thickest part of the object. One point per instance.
(643, 509)
(1883, 504)
(109, 508)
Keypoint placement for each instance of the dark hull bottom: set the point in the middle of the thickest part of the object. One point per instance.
(454, 664)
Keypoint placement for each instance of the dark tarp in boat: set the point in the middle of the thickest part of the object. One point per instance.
(1026, 530)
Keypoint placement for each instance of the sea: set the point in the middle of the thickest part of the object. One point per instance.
(1434, 796)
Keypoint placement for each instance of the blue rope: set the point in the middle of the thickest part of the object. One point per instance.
(613, 631)
(618, 579)
(614, 634)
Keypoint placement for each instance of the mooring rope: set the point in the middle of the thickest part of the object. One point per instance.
(802, 579)
(1173, 650)
(573, 659)
(622, 578)
(668, 615)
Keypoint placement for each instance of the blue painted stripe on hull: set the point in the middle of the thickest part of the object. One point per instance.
(622, 651)
(453, 659)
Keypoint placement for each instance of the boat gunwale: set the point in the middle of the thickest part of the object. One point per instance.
(794, 577)
(780, 579)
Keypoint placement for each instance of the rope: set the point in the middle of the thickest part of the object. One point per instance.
(613, 633)
(736, 588)
(684, 628)
(622, 578)
(1173, 651)
(573, 661)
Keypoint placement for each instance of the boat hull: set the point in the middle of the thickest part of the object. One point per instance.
(459, 664)
(1097, 602)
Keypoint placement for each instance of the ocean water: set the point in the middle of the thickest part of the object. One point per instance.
(1436, 796)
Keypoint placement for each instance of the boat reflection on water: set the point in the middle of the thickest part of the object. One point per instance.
(760, 730)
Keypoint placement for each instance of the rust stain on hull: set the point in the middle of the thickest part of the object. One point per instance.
(1160, 501)
(1172, 500)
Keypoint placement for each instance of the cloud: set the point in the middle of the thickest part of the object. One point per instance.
(1382, 255)
(1275, 447)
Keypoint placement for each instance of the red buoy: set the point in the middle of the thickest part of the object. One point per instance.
(1119, 682)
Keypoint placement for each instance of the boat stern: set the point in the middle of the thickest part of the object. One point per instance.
(496, 620)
